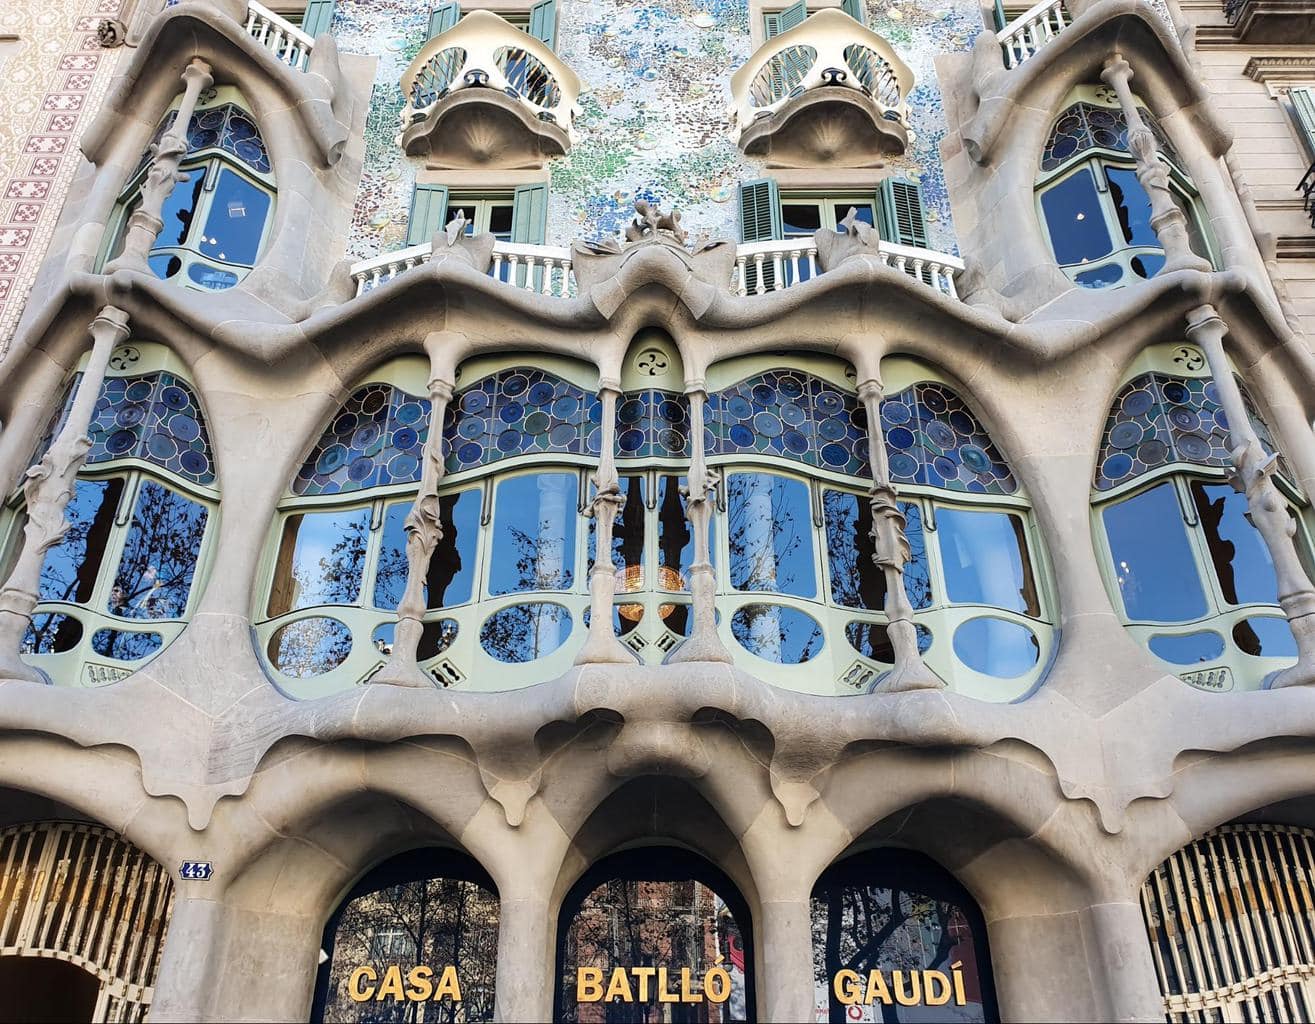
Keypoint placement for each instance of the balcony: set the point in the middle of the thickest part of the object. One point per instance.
(288, 43)
(828, 91)
(1278, 22)
(486, 94)
(760, 267)
(1031, 30)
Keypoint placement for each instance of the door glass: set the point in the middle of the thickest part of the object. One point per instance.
(534, 533)
(1153, 561)
(159, 555)
(236, 220)
(770, 531)
(500, 219)
(321, 559)
(1073, 217)
(801, 219)
(71, 566)
(1241, 560)
(451, 566)
(985, 560)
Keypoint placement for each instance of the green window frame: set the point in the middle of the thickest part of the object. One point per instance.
(777, 22)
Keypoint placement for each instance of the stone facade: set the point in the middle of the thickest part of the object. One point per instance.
(671, 652)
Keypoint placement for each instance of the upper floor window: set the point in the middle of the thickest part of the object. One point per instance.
(121, 582)
(538, 20)
(1094, 210)
(518, 215)
(217, 221)
(1193, 578)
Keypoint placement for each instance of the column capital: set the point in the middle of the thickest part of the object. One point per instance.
(112, 321)
(1117, 71)
(1205, 320)
(441, 389)
(696, 386)
(198, 71)
(609, 384)
(871, 388)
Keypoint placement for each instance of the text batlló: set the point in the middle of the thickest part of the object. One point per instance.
(632, 985)
(906, 988)
(420, 986)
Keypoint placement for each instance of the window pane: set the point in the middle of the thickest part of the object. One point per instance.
(500, 215)
(321, 559)
(71, 566)
(676, 539)
(864, 212)
(995, 647)
(1241, 560)
(801, 218)
(452, 565)
(236, 220)
(533, 533)
(856, 580)
(985, 560)
(1153, 557)
(159, 555)
(627, 538)
(1073, 217)
(180, 208)
(771, 534)
(1132, 206)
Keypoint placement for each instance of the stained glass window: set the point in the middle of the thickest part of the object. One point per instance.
(1086, 126)
(227, 127)
(375, 439)
(154, 417)
(933, 438)
(652, 424)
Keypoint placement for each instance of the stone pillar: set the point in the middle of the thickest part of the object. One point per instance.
(892, 554)
(48, 489)
(424, 530)
(703, 644)
(526, 972)
(784, 955)
(1126, 983)
(1252, 475)
(145, 224)
(602, 646)
(1167, 220)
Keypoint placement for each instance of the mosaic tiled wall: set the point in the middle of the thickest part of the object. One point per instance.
(655, 87)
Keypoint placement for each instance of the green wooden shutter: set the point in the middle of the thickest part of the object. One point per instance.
(1303, 105)
(428, 213)
(543, 22)
(529, 214)
(442, 18)
(760, 211)
(783, 21)
(856, 9)
(1001, 19)
(318, 17)
(899, 213)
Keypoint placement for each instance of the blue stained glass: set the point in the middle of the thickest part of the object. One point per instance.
(942, 443)
(155, 417)
(227, 126)
(375, 439)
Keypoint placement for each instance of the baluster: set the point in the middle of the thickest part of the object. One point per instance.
(1060, 24)
(497, 266)
(794, 266)
(759, 288)
(950, 289)
(512, 261)
(547, 276)
(251, 22)
(900, 262)
(567, 288)
(812, 262)
(741, 284)
(885, 257)
(374, 277)
(778, 272)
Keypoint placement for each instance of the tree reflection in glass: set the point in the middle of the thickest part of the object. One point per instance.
(770, 534)
(856, 579)
(1152, 557)
(451, 575)
(155, 571)
(525, 632)
(321, 559)
(533, 533)
(1241, 561)
(984, 556)
(71, 566)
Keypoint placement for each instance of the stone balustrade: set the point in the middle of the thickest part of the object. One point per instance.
(288, 43)
(1031, 30)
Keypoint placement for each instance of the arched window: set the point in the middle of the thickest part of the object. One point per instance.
(667, 917)
(215, 222)
(801, 592)
(895, 935)
(125, 577)
(415, 939)
(1230, 923)
(1190, 575)
(1094, 210)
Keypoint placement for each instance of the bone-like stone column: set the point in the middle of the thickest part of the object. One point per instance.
(49, 487)
(703, 644)
(145, 224)
(892, 554)
(602, 646)
(1252, 474)
(784, 946)
(525, 972)
(423, 532)
(1167, 220)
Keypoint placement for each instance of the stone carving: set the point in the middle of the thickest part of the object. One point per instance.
(111, 32)
(452, 239)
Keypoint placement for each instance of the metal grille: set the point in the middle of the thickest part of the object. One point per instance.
(1231, 919)
(80, 893)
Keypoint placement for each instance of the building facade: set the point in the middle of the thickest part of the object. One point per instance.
(592, 510)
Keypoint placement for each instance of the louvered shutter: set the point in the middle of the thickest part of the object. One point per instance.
(856, 9)
(899, 213)
(529, 224)
(760, 211)
(1001, 18)
(442, 18)
(1303, 105)
(782, 21)
(543, 22)
(428, 213)
(318, 17)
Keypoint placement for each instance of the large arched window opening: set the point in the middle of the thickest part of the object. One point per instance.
(125, 577)
(801, 596)
(217, 221)
(899, 916)
(638, 934)
(1231, 921)
(416, 939)
(1095, 212)
(1190, 575)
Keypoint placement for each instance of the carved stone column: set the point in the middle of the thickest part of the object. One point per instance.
(1252, 475)
(423, 532)
(892, 554)
(602, 645)
(1167, 220)
(49, 487)
(144, 225)
(703, 644)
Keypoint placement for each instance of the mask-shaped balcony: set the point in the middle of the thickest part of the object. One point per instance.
(486, 94)
(828, 91)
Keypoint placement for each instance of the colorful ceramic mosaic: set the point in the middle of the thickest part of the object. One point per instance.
(932, 438)
(1158, 419)
(155, 418)
(1085, 126)
(227, 127)
(375, 439)
(653, 119)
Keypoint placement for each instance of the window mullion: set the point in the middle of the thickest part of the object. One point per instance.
(115, 544)
(1200, 548)
(373, 550)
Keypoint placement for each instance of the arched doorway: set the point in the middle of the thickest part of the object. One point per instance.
(639, 934)
(896, 938)
(414, 941)
(83, 915)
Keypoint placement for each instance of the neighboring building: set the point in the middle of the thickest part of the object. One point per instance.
(818, 494)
